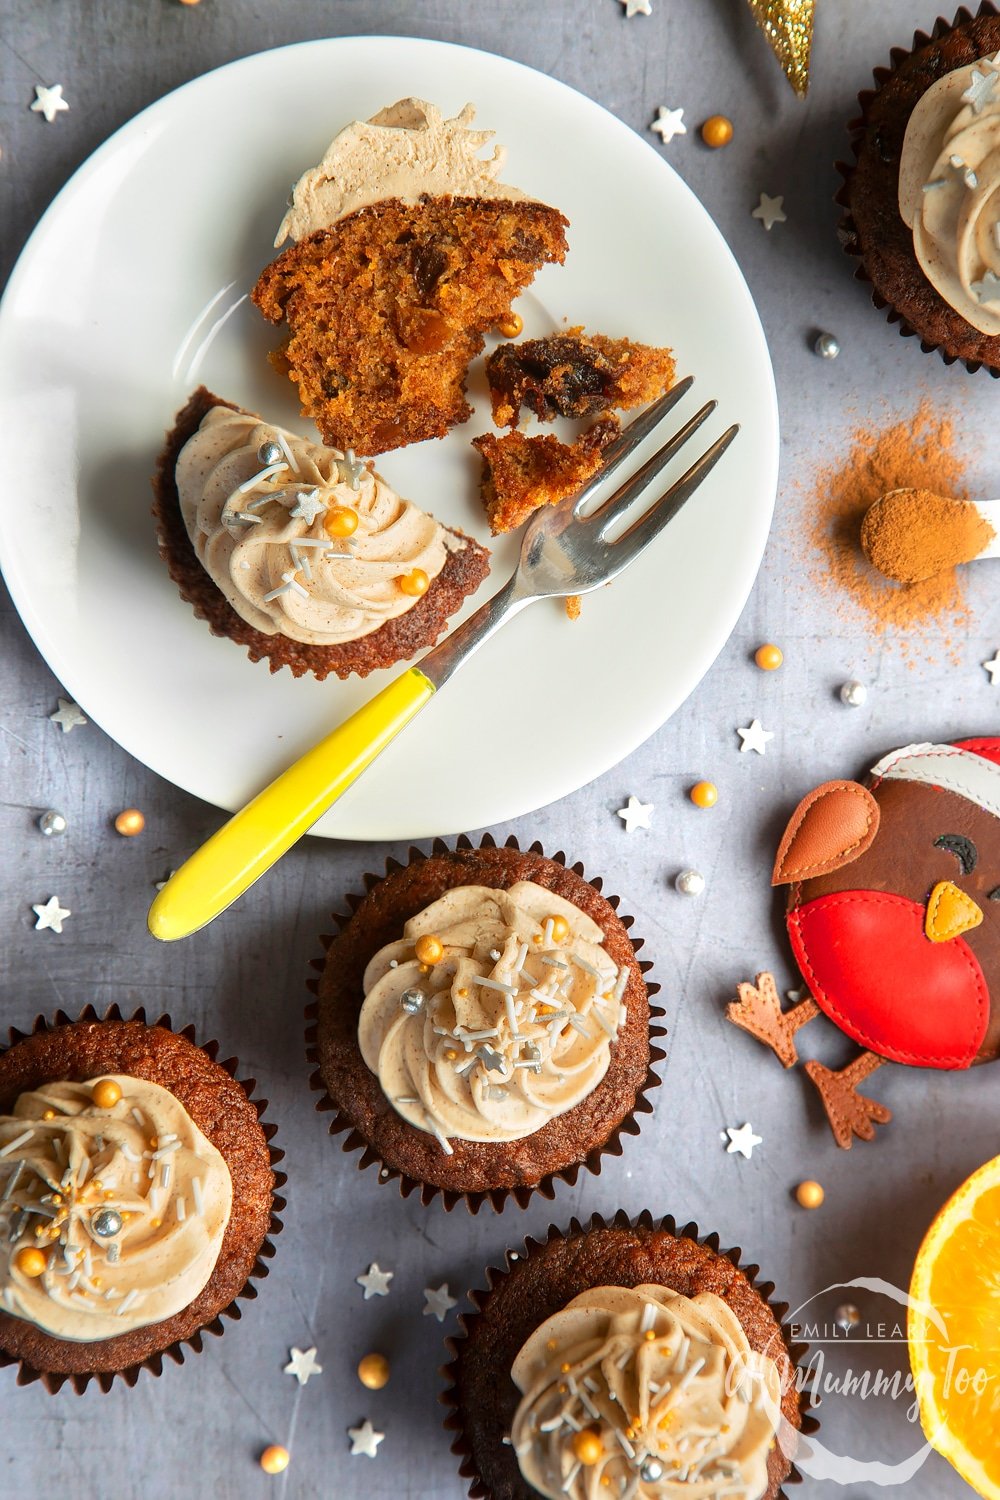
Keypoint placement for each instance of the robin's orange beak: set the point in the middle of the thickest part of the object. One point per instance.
(950, 912)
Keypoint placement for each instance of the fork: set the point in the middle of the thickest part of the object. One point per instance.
(566, 549)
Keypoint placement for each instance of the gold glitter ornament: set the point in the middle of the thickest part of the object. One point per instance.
(788, 26)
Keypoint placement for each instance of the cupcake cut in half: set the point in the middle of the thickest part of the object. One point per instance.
(137, 1191)
(482, 1024)
(625, 1358)
(302, 554)
(406, 250)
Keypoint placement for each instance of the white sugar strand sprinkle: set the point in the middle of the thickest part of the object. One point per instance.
(197, 1195)
(17, 1141)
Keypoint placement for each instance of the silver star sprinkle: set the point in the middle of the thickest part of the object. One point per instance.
(755, 737)
(668, 123)
(50, 914)
(302, 1364)
(309, 506)
(637, 8)
(48, 101)
(993, 668)
(438, 1303)
(770, 211)
(364, 1439)
(980, 90)
(742, 1140)
(636, 814)
(352, 469)
(375, 1281)
(67, 715)
(987, 290)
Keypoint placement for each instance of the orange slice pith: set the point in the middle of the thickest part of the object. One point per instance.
(957, 1368)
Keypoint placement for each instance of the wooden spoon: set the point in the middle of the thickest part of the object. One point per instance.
(910, 535)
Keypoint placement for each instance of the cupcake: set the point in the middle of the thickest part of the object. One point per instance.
(627, 1359)
(482, 1024)
(920, 197)
(136, 1196)
(406, 249)
(302, 554)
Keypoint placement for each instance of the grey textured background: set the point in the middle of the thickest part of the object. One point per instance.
(197, 1430)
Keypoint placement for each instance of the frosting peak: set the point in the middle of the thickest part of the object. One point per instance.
(404, 151)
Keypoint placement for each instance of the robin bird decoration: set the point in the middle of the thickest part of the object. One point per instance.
(894, 920)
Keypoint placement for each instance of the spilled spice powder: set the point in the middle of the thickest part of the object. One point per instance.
(910, 535)
(916, 454)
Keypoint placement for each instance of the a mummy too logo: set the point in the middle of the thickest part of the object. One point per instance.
(857, 1374)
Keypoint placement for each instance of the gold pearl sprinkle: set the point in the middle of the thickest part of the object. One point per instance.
(511, 326)
(130, 822)
(373, 1371)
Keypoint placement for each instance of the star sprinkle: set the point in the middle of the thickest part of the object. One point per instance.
(987, 290)
(159, 884)
(438, 1303)
(770, 211)
(302, 1364)
(48, 101)
(755, 737)
(309, 507)
(51, 914)
(637, 8)
(352, 469)
(668, 123)
(636, 815)
(742, 1140)
(980, 90)
(375, 1281)
(993, 668)
(67, 716)
(364, 1439)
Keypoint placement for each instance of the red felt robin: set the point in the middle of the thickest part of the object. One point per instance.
(894, 919)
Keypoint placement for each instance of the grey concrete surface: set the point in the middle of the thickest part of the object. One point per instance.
(197, 1430)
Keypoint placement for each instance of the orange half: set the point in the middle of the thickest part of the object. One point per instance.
(953, 1327)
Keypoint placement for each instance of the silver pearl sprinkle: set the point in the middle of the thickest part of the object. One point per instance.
(827, 346)
(412, 1001)
(269, 453)
(854, 694)
(651, 1471)
(106, 1223)
(690, 882)
(847, 1316)
(52, 823)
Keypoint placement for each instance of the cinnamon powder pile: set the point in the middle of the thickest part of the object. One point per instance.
(915, 454)
(915, 534)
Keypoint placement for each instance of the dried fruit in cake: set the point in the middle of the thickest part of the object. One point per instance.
(575, 375)
(406, 250)
(521, 473)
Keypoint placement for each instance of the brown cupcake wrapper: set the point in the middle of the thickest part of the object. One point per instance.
(478, 1489)
(52, 1381)
(847, 230)
(497, 1197)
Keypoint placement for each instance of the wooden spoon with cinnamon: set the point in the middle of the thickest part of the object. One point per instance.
(910, 535)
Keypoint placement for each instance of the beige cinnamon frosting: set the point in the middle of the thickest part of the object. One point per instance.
(404, 151)
(678, 1402)
(128, 1205)
(259, 529)
(949, 189)
(509, 1028)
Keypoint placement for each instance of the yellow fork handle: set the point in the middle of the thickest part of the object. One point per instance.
(248, 845)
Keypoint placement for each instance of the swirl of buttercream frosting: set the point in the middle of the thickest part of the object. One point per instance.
(679, 1403)
(258, 530)
(949, 189)
(511, 1027)
(128, 1204)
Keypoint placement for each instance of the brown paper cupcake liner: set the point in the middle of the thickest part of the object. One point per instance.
(848, 232)
(54, 1381)
(513, 1259)
(497, 1197)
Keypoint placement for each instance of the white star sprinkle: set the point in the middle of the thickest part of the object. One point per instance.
(980, 90)
(637, 8)
(742, 1140)
(309, 507)
(636, 815)
(770, 211)
(48, 101)
(352, 469)
(755, 737)
(987, 290)
(375, 1281)
(51, 914)
(364, 1439)
(159, 884)
(668, 123)
(67, 715)
(438, 1303)
(993, 667)
(302, 1364)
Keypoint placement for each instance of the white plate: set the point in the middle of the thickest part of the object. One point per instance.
(132, 291)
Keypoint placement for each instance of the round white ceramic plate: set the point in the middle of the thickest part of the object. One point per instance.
(132, 291)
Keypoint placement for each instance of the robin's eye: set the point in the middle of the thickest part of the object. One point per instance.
(963, 849)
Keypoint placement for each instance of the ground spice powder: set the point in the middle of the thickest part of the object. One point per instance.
(915, 534)
(915, 454)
